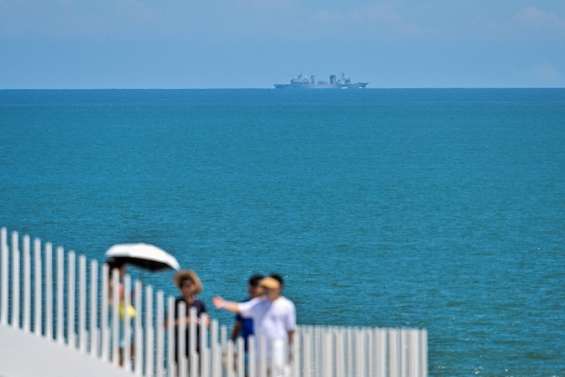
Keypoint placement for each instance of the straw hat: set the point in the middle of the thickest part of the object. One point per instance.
(270, 283)
(183, 275)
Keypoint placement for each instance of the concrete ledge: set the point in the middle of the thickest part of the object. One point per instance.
(27, 355)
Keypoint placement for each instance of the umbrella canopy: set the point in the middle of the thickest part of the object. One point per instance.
(142, 255)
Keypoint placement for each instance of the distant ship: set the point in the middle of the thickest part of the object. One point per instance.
(303, 82)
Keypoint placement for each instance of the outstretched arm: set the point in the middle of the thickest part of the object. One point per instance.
(230, 306)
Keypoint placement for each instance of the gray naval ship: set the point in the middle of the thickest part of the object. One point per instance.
(303, 82)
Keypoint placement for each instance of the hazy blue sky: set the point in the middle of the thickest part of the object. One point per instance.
(253, 43)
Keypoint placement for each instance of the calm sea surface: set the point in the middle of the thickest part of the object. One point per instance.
(442, 209)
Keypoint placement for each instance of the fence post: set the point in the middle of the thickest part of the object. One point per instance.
(49, 291)
(380, 352)
(307, 353)
(94, 345)
(341, 355)
(229, 359)
(26, 302)
(326, 351)
(149, 331)
(115, 293)
(104, 315)
(413, 354)
(404, 352)
(204, 362)
(216, 355)
(349, 369)
(352, 356)
(15, 281)
(360, 352)
(252, 355)
(369, 352)
(295, 353)
(181, 339)
(315, 351)
(192, 344)
(37, 294)
(4, 276)
(394, 352)
(223, 347)
(171, 368)
(240, 357)
(263, 356)
(60, 288)
(127, 324)
(160, 338)
(82, 303)
(423, 353)
(71, 341)
(138, 335)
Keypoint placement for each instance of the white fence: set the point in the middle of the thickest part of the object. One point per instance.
(69, 300)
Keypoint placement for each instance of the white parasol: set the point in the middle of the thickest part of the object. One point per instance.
(143, 255)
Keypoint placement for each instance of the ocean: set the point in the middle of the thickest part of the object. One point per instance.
(442, 209)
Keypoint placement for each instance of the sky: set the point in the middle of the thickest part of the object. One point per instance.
(255, 43)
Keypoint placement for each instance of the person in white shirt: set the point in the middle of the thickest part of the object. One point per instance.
(274, 318)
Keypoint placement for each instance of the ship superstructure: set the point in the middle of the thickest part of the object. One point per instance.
(303, 82)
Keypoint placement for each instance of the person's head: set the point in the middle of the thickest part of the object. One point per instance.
(116, 265)
(188, 283)
(278, 278)
(253, 285)
(271, 287)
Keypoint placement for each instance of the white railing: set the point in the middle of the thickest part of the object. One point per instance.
(68, 300)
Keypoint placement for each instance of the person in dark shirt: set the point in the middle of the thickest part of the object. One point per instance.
(190, 286)
(244, 326)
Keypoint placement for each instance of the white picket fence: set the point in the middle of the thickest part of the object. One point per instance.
(65, 299)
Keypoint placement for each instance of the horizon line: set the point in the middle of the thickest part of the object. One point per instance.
(293, 90)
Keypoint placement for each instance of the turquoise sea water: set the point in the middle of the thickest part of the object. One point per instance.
(442, 209)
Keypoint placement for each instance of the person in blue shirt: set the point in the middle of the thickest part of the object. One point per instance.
(244, 326)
